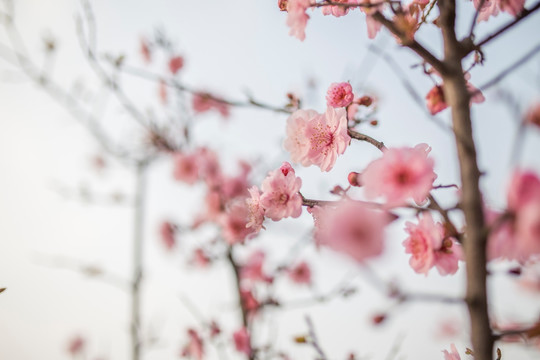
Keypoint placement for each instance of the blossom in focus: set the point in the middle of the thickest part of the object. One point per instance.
(429, 247)
(297, 18)
(167, 231)
(352, 228)
(533, 115)
(314, 139)
(280, 197)
(400, 174)
(242, 341)
(300, 273)
(185, 167)
(175, 64)
(453, 354)
(339, 95)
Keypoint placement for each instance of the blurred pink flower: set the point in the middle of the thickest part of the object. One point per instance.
(297, 18)
(339, 95)
(524, 187)
(338, 10)
(195, 347)
(253, 269)
(255, 210)
(175, 64)
(242, 341)
(167, 231)
(428, 247)
(435, 100)
(203, 102)
(453, 355)
(249, 302)
(351, 228)
(233, 223)
(401, 173)
(76, 345)
(186, 167)
(145, 50)
(163, 95)
(280, 197)
(200, 258)
(300, 273)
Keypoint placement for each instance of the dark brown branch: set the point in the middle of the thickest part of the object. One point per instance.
(363, 137)
(411, 43)
(314, 341)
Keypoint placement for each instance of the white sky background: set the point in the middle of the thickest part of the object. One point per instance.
(230, 47)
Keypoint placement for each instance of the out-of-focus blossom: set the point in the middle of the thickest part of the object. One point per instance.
(300, 273)
(195, 346)
(242, 341)
(167, 231)
(186, 167)
(400, 174)
(453, 354)
(175, 64)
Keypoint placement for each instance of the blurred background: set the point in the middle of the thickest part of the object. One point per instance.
(67, 206)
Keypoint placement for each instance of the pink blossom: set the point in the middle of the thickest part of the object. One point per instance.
(527, 228)
(249, 302)
(428, 247)
(76, 345)
(317, 139)
(339, 95)
(232, 187)
(401, 173)
(351, 228)
(501, 237)
(524, 187)
(185, 167)
(533, 115)
(253, 269)
(280, 197)
(513, 7)
(163, 96)
(145, 50)
(167, 231)
(175, 64)
(204, 102)
(242, 341)
(200, 258)
(297, 18)
(373, 26)
(337, 10)
(492, 7)
(435, 100)
(209, 168)
(195, 347)
(233, 223)
(453, 355)
(300, 273)
(255, 210)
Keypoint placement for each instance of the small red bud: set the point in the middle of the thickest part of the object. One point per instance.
(354, 179)
(378, 319)
(365, 100)
(283, 5)
(374, 122)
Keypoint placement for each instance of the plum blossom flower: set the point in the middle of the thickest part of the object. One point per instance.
(195, 346)
(249, 302)
(233, 223)
(253, 269)
(76, 345)
(373, 26)
(300, 273)
(167, 231)
(297, 18)
(339, 95)
(453, 355)
(428, 247)
(314, 139)
(435, 100)
(242, 341)
(203, 102)
(337, 10)
(175, 64)
(351, 228)
(280, 197)
(401, 173)
(185, 167)
(255, 210)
